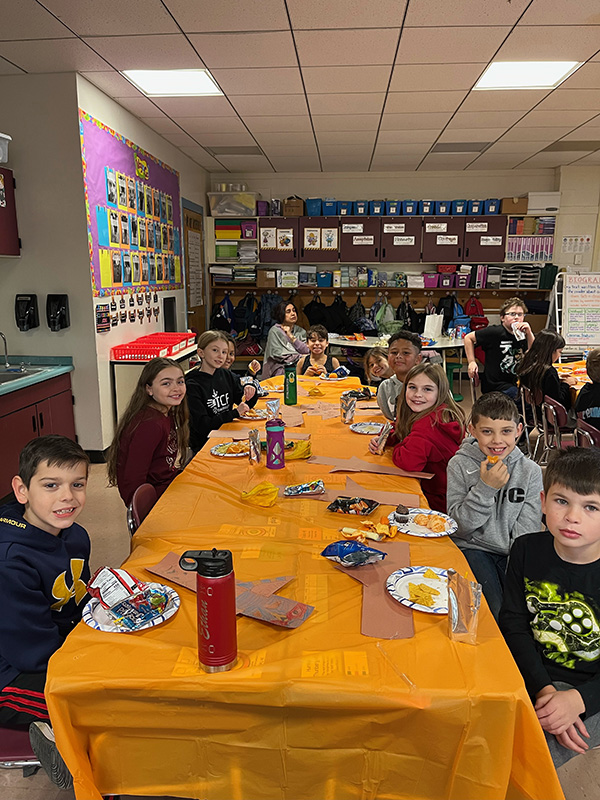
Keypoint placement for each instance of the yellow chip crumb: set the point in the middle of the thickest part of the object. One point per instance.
(429, 573)
(422, 594)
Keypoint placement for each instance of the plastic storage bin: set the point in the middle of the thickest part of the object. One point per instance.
(410, 208)
(376, 207)
(442, 208)
(446, 281)
(249, 229)
(462, 280)
(324, 278)
(459, 207)
(344, 207)
(361, 207)
(393, 208)
(313, 206)
(491, 206)
(329, 208)
(233, 204)
(474, 207)
(262, 208)
(431, 280)
(426, 207)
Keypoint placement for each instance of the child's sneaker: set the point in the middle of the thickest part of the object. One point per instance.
(44, 746)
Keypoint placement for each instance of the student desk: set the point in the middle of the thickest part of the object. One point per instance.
(442, 344)
(316, 713)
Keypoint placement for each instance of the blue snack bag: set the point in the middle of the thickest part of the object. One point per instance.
(349, 553)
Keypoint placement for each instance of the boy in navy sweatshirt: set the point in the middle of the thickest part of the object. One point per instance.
(43, 575)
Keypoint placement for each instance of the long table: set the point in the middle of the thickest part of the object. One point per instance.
(317, 713)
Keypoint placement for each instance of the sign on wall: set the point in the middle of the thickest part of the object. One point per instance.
(581, 313)
(133, 213)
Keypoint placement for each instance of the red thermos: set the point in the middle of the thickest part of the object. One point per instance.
(217, 635)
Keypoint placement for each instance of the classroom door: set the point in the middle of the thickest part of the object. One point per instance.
(193, 264)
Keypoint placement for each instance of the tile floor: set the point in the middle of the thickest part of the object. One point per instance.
(104, 519)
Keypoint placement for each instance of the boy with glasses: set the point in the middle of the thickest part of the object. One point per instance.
(503, 346)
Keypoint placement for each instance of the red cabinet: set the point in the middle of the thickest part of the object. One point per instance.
(443, 239)
(319, 239)
(485, 239)
(401, 239)
(278, 240)
(360, 239)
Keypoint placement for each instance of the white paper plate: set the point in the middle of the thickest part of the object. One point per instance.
(412, 529)
(98, 617)
(370, 428)
(221, 450)
(397, 585)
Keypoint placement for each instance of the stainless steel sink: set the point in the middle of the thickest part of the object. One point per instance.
(7, 376)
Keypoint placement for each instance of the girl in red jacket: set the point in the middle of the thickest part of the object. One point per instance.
(429, 429)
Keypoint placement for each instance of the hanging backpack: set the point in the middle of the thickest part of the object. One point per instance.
(316, 311)
(360, 320)
(338, 320)
(244, 316)
(221, 318)
(385, 319)
(411, 320)
(268, 302)
(474, 310)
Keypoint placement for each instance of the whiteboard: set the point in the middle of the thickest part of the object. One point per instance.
(581, 309)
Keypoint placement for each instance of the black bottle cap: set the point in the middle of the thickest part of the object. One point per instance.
(208, 563)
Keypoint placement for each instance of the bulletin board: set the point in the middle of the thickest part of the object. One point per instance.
(133, 214)
(581, 309)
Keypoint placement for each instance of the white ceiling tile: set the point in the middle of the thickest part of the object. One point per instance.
(346, 137)
(399, 122)
(541, 119)
(52, 55)
(444, 161)
(312, 14)
(411, 136)
(346, 150)
(278, 124)
(466, 12)
(140, 106)
(572, 99)
(471, 134)
(161, 125)
(216, 106)
(593, 159)
(112, 83)
(532, 134)
(27, 19)
(500, 161)
(330, 80)
(550, 43)
(583, 134)
(269, 49)
(345, 163)
(290, 164)
(554, 12)
(404, 150)
(6, 68)
(179, 139)
(306, 151)
(229, 15)
(394, 163)
(348, 47)
(203, 158)
(288, 138)
(163, 51)
(246, 163)
(485, 119)
(503, 147)
(266, 105)
(403, 102)
(594, 122)
(113, 17)
(346, 122)
(501, 100)
(586, 77)
(434, 77)
(432, 45)
(284, 80)
(224, 139)
(196, 125)
(346, 103)
(553, 159)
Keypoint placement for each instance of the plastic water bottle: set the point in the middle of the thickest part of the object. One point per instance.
(275, 443)
(290, 387)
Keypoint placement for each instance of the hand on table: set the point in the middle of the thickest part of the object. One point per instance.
(496, 476)
(559, 710)
(249, 392)
(243, 409)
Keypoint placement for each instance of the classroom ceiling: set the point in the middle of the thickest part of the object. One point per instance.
(332, 85)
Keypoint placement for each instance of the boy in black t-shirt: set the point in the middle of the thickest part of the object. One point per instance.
(550, 615)
(503, 346)
(588, 401)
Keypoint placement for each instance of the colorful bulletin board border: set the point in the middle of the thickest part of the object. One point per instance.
(133, 213)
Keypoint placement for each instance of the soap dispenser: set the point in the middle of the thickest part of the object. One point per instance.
(57, 311)
(26, 312)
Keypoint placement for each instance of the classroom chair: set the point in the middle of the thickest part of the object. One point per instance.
(586, 435)
(142, 502)
(16, 752)
(555, 425)
(529, 402)
(451, 368)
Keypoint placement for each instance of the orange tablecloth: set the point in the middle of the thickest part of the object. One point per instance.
(316, 713)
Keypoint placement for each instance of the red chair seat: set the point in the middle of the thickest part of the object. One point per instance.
(15, 747)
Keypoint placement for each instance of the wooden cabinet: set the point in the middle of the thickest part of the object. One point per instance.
(278, 240)
(360, 239)
(319, 240)
(25, 414)
(401, 239)
(485, 239)
(443, 239)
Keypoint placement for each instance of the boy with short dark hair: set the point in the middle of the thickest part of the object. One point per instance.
(587, 404)
(43, 575)
(404, 351)
(318, 361)
(550, 616)
(493, 492)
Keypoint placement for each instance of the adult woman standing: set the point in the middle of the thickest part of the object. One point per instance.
(286, 341)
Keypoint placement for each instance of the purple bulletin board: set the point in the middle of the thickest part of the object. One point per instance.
(133, 214)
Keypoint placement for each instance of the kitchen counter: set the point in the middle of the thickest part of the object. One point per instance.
(37, 370)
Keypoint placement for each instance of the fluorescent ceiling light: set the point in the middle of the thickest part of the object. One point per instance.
(172, 82)
(526, 74)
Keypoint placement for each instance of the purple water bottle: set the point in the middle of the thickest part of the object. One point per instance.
(275, 443)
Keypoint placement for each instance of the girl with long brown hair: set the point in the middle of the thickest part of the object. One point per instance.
(538, 373)
(152, 436)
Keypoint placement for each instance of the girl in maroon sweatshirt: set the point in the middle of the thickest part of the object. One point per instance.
(152, 437)
(429, 429)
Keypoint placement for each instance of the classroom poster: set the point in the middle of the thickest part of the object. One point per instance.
(133, 214)
(581, 313)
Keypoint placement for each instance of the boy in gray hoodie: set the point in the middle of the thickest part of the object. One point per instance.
(493, 492)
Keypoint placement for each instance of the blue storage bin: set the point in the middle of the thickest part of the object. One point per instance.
(313, 206)
(361, 207)
(329, 208)
(344, 207)
(393, 208)
(442, 208)
(426, 207)
(410, 208)
(474, 207)
(459, 207)
(376, 207)
(491, 206)
(324, 279)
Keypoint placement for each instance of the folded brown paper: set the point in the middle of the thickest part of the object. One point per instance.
(355, 464)
(353, 489)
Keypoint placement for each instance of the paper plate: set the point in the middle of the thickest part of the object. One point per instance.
(256, 413)
(222, 450)
(369, 428)
(412, 529)
(98, 617)
(333, 380)
(398, 582)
